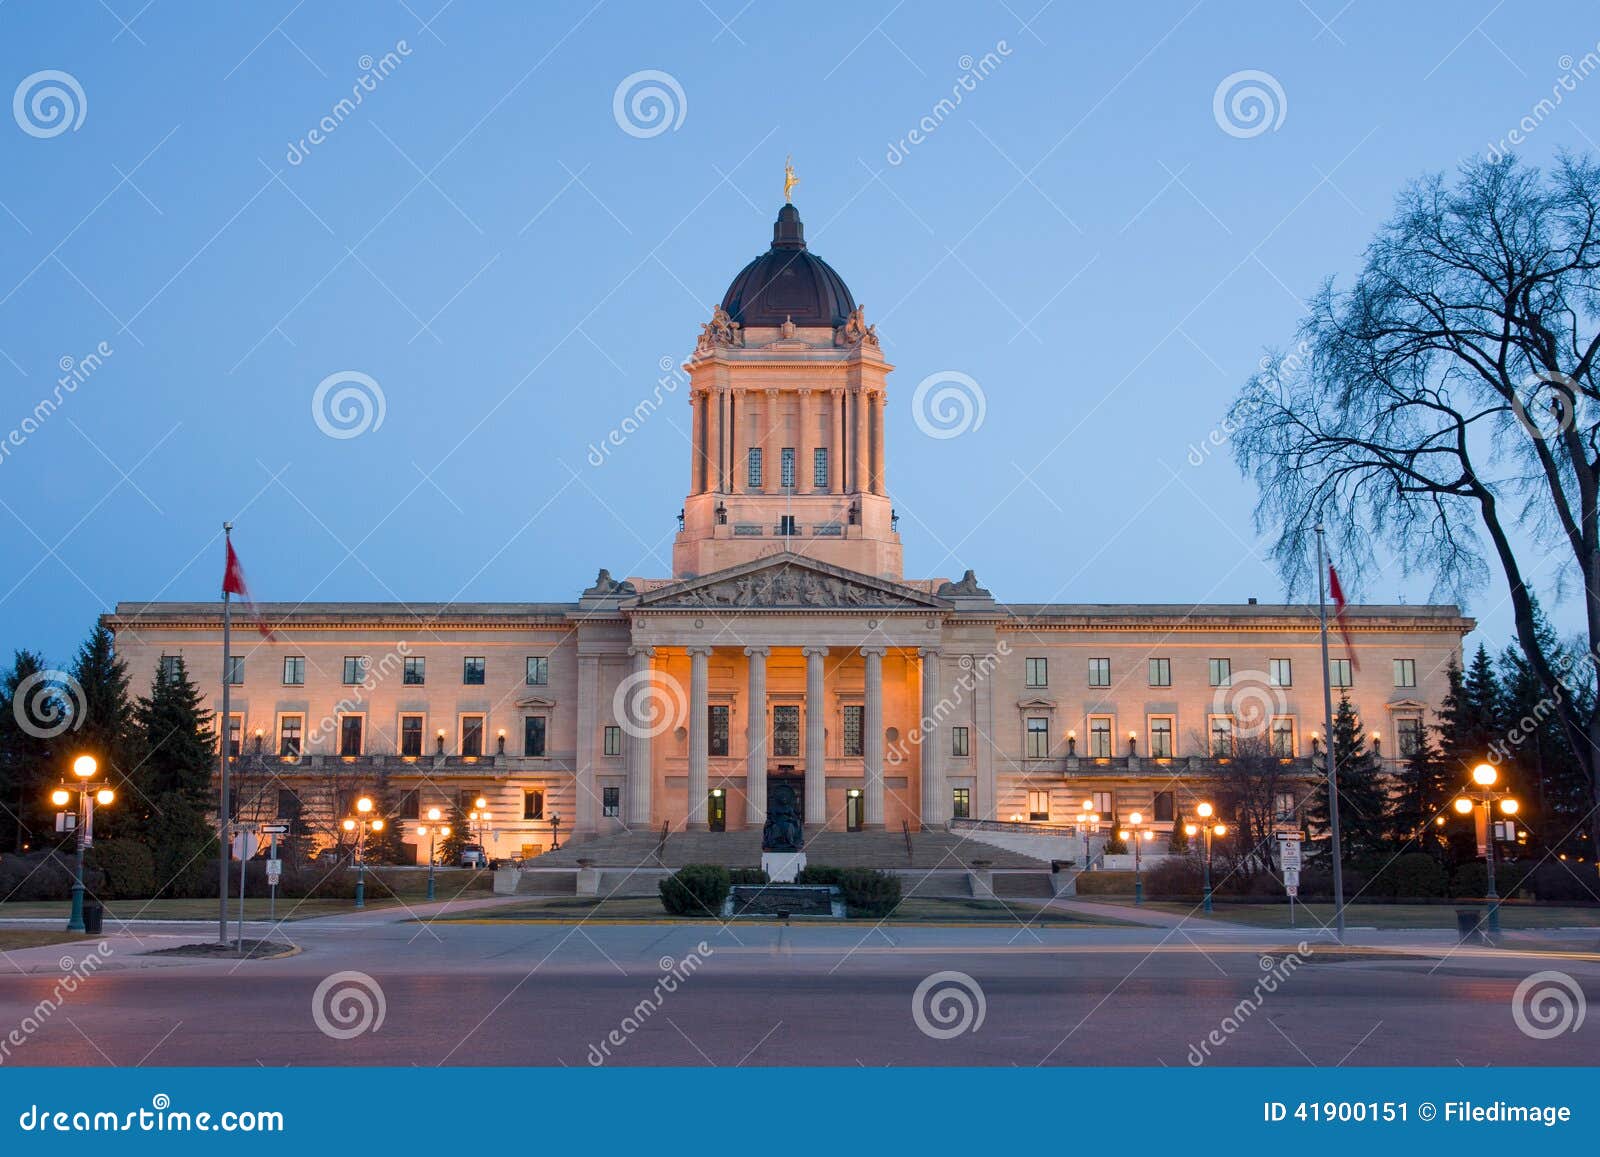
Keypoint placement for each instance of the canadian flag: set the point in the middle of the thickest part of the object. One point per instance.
(233, 584)
(1337, 592)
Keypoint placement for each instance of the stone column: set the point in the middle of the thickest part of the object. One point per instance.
(697, 435)
(756, 741)
(858, 457)
(715, 400)
(816, 735)
(836, 455)
(588, 698)
(935, 795)
(804, 440)
(639, 750)
(772, 444)
(699, 760)
(879, 482)
(872, 737)
(982, 729)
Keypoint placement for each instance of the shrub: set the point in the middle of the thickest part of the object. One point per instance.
(1178, 879)
(39, 876)
(869, 892)
(695, 890)
(1556, 880)
(1469, 882)
(748, 877)
(126, 867)
(821, 874)
(1115, 845)
(1417, 875)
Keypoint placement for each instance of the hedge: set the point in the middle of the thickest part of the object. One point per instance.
(696, 890)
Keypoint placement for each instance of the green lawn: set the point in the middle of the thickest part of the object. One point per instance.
(919, 909)
(1512, 916)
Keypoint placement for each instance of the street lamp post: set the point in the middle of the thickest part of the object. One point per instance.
(1134, 821)
(431, 833)
(555, 831)
(481, 818)
(362, 825)
(1205, 811)
(84, 768)
(1485, 777)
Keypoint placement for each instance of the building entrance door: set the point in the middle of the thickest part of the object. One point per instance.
(717, 810)
(854, 805)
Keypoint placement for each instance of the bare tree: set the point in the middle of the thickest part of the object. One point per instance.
(1248, 786)
(1448, 396)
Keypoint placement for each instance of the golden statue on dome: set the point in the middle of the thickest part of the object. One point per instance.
(789, 179)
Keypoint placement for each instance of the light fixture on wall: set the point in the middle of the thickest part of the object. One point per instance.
(1377, 743)
(722, 514)
(258, 741)
(440, 737)
(1072, 743)
(500, 742)
(1132, 739)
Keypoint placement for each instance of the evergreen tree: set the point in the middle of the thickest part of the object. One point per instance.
(1470, 725)
(27, 772)
(1411, 819)
(449, 848)
(1178, 842)
(387, 846)
(1363, 794)
(173, 803)
(1553, 787)
(108, 731)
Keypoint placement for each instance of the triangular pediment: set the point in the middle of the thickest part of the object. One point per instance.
(788, 582)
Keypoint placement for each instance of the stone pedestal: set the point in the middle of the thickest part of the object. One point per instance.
(782, 867)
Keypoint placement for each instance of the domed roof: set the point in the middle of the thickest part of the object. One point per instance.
(788, 282)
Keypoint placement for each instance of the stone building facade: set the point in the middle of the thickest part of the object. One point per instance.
(788, 647)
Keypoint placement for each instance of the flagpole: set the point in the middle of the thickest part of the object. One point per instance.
(1327, 744)
(225, 731)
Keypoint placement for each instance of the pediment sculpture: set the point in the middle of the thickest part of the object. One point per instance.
(787, 587)
(721, 330)
(855, 331)
(967, 586)
(606, 587)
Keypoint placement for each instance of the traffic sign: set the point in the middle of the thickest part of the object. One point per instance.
(1289, 850)
(1291, 878)
(274, 829)
(1293, 890)
(274, 872)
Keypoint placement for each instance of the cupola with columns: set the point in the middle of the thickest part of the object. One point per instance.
(788, 385)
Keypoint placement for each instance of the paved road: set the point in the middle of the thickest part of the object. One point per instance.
(556, 994)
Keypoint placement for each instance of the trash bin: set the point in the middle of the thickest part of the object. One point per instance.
(1468, 921)
(94, 918)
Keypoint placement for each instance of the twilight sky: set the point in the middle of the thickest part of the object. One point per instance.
(506, 249)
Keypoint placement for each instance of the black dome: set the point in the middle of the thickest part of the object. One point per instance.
(788, 282)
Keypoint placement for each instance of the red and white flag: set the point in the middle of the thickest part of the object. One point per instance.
(233, 584)
(1337, 592)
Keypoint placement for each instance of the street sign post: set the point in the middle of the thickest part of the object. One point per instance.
(274, 869)
(1289, 859)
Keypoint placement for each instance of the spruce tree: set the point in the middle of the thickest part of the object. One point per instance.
(1411, 818)
(1178, 841)
(449, 848)
(1363, 794)
(108, 731)
(174, 801)
(1555, 792)
(27, 769)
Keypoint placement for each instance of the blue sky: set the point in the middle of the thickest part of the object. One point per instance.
(482, 239)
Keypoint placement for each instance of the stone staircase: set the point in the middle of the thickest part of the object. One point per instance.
(930, 850)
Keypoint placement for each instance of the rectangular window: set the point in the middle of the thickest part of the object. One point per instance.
(533, 804)
(1036, 672)
(1339, 672)
(611, 801)
(958, 741)
(1221, 736)
(1405, 672)
(350, 735)
(1221, 672)
(1408, 734)
(235, 669)
(171, 667)
(717, 729)
(294, 670)
(1099, 672)
(409, 806)
(1283, 806)
(1100, 737)
(786, 466)
(538, 670)
(1160, 672)
(290, 728)
(1283, 737)
(1038, 738)
(411, 735)
(472, 669)
(819, 468)
(786, 525)
(472, 735)
(613, 740)
(1104, 806)
(533, 735)
(1279, 673)
(416, 672)
(852, 729)
(1039, 806)
(961, 803)
(235, 735)
(786, 729)
(288, 804)
(355, 670)
(1161, 736)
(1163, 807)
(753, 478)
